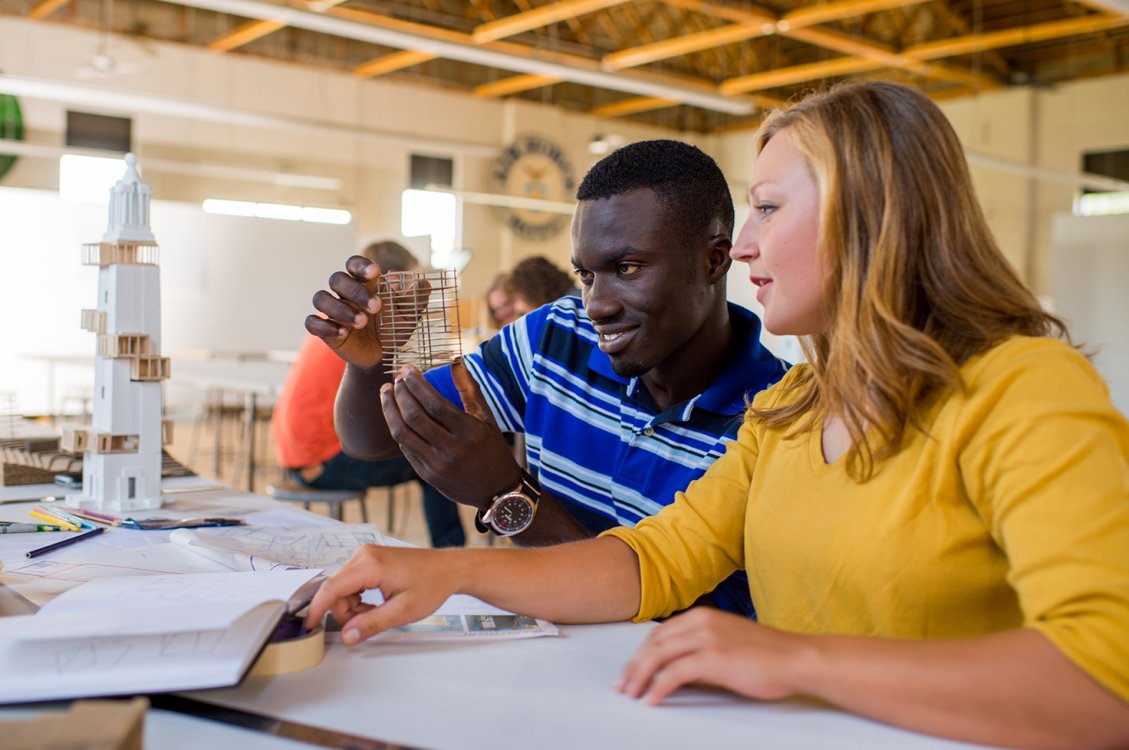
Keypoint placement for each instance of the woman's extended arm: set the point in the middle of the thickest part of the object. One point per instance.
(596, 580)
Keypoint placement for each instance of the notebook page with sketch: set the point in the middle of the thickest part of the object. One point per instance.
(144, 634)
(326, 546)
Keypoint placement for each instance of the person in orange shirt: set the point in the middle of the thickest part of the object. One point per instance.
(306, 442)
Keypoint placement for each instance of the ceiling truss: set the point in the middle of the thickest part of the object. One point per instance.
(702, 65)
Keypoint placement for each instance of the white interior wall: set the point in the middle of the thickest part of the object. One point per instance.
(228, 284)
(361, 132)
(1091, 273)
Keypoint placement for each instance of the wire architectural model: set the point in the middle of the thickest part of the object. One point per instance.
(419, 318)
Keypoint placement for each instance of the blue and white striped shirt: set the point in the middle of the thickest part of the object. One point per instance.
(597, 441)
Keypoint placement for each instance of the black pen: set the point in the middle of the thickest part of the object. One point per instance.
(65, 542)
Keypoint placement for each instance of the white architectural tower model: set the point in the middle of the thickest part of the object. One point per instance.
(121, 467)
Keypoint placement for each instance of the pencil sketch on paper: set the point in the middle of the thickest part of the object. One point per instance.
(100, 653)
(194, 589)
(200, 641)
(269, 547)
(114, 652)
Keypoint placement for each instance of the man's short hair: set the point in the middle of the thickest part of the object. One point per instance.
(390, 256)
(689, 184)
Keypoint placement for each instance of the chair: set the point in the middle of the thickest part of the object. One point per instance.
(334, 499)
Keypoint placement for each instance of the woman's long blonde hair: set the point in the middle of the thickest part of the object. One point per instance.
(916, 284)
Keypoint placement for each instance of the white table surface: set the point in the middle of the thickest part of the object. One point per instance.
(542, 692)
(548, 692)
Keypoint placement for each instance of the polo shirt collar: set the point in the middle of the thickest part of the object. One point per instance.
(749, 363)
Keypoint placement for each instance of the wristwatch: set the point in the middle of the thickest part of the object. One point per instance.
(511, 512)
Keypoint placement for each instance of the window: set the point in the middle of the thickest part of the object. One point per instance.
(434, 213)
(88, 178)
(1113, 164)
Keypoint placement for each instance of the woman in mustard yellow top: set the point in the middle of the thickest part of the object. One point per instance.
(933, 514)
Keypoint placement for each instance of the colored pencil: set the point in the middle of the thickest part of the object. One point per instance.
(65, 516)
(90, 515)
(65, 542)
(54, 520)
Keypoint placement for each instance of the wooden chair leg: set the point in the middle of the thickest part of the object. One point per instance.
(390, 528)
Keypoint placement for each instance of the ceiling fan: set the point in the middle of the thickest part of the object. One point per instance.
(104, 63)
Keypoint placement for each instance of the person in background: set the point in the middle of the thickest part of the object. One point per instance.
(499, 305)
(934, 512)
(306, 441)
(624, 396)
(536, 281)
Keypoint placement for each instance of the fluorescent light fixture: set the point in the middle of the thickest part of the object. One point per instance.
(137, 102)
(281, 211)
(88, 178)
(278, 211)
(326, 215)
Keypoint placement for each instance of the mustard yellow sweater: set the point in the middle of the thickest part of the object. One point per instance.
(1013, 512)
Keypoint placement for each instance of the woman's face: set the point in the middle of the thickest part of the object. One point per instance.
(780, 240)
(501, 307)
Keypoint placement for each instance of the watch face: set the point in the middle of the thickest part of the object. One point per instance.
(512, 514)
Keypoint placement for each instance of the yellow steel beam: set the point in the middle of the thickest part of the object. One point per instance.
(797, 74)
(684, 45)
(45, 8)
(244, 34)
(378, 66)
(632, 106)
(850, 45)
(536, 18)
(926, 51)
(750, 23)
(965, 45)
(514, 84)
(812, 15)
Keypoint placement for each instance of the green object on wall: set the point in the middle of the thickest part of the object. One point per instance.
(11, 128)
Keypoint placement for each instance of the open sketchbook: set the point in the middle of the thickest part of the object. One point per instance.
(144, 634)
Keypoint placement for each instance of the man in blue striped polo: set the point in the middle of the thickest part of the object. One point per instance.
(624, 396)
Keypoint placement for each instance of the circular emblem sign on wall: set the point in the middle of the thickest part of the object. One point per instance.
(534, 167)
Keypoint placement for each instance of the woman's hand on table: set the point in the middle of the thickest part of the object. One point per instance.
(711, 647)
(414, 582)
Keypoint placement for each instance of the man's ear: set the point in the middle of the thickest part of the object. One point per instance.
(717, 258)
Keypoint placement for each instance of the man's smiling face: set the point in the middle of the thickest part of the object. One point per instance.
(643, 287)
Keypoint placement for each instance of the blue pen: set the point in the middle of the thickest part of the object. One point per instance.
(65, 542)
